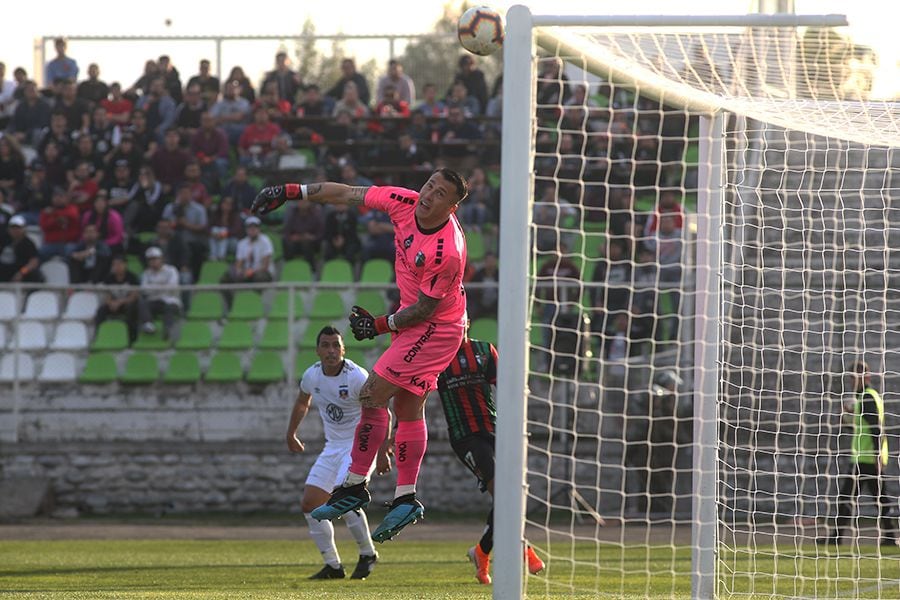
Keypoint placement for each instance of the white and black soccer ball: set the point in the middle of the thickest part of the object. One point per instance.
(480, 30)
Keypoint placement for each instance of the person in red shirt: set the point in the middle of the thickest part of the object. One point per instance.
(118, 108)
(390, 107)
(668, 203)
(83, 188)
(256, 141)
(269, 100)
(60, 223)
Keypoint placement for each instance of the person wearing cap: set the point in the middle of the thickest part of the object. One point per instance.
(156, 302)
(868, 458)
(253, 259)
(18, 254)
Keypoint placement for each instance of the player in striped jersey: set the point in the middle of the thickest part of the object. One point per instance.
(468, 403)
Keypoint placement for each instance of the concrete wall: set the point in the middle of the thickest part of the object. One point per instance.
(153, 449)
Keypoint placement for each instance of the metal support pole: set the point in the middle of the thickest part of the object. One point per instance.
(706, 355)
(512, 371)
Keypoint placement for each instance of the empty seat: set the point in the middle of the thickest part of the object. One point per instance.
(371, 300)
(184, 367)
(281, 308)
(275, 336)
(141, 367)
(484, 329)
(246, 305)
(135, 265)
(206, 306)
(337, 270)
(327, 305)
(377, 270)
(16, 365)
(212, 270)
(236, 335)
(58, 367)
(70, 335)
(224, 367)
(42, 306)
(195, 335)
(111, 335)
(9, 308)
(266, 367)
(296, 270)
(56, 272)
(99, 368)
(82, 306)
(305, 359)
(312, 331)
(474, 245)
(29, 335)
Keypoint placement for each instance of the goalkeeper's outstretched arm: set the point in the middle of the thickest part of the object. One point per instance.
(270, 198)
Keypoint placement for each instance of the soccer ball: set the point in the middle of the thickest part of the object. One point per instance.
(480, 30)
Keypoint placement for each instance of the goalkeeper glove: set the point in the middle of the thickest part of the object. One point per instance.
(365, 326)
(270, 198)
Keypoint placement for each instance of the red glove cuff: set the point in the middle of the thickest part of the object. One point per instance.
(291, 190)
(381, 325)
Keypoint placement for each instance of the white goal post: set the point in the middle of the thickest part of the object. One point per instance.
(771, 119)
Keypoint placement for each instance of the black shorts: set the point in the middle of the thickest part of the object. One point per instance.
(477, 453)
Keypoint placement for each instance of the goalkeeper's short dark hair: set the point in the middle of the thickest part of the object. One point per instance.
(458, 181)
(860, 367)
(328, 330)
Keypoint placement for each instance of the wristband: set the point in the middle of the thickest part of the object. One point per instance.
(303, 191)
(381, 325)
(390, 323)
(294, 190)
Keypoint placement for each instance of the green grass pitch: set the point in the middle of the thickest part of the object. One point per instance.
(277, 569)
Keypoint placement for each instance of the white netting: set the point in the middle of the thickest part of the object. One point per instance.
(806, 278)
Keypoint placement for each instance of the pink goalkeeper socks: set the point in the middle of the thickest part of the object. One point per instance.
(409, 448)
(370, 434)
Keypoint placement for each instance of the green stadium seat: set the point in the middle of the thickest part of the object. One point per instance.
(224, 367)
(280, 306)
(134, 264)
(275, 336)
(195, 335)
(690, 203)
(484, 329)
(99, 368)
(184, 367)
(337, 270)
(266, 367)
(692, 153)
(594, 226)
(277, 247)
(327, 306)
(296, 270)
(206, 306)
(304, 360)
(236, 335)
(474, 245)
(358, 356)
(247, 305)
(151, 341)
(312, 331)
(212, 271)
(377, 270)
(371, 300)
(140, 368)
(112, 336)
(645, 203)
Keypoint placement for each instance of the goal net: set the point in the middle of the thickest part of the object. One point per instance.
(709, 224)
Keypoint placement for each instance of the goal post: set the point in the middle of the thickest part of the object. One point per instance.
(704, 118)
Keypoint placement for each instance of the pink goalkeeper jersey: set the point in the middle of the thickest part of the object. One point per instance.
(432, 263)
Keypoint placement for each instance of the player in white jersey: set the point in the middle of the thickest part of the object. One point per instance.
(333, 384)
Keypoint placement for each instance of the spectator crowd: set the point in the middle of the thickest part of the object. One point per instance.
(165, 171)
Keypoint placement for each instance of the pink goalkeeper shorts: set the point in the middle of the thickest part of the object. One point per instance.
(417, 355)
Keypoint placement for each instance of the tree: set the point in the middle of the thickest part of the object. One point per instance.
(324, 68)
(832, 66)
(434, 58)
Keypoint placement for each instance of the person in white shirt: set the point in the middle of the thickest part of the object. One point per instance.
(333, 384)
(395, 76)
(253, 259)
(7, 97)
(159, 293)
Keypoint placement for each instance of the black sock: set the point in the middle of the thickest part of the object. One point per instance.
(487, 538)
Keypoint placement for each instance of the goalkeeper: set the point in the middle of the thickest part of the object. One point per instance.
(425, 333)
(869, 456)
(468, 403)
